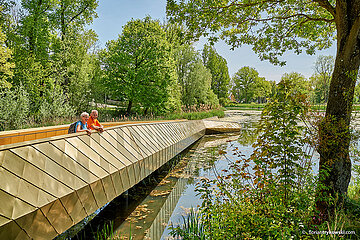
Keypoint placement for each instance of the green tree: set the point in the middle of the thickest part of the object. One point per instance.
(6, 67)
(219, 72)
(324, 67)
(248, 85)
(262, 90)
(35, 27)
(81, 68)
(138, 66)
(272, 28)
(194, 78)
(298, 83)
(46, 55)
(68, 19)
(68, 15)
(30, 38)
(175, 34)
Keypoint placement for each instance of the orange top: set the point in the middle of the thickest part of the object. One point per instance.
(93, 122)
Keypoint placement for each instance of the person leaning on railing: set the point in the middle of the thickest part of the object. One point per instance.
(93, 123)
(81, 126)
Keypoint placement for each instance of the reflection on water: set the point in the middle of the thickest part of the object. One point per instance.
(248, 134)
(175, 194)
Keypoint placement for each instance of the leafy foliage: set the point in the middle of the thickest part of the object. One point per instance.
(248, 85)
(6, 67)
(271, 194)
(271, 28)
(275, 27)
(194, 78)
(220, 81)
(298, 83)
(51, 52)
(137, 65)
(324, 67)
(15, 107)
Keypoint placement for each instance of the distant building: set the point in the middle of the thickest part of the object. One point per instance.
(232, 98)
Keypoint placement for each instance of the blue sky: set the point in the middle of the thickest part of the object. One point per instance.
(113, 14)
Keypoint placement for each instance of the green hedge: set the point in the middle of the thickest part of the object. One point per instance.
(245, 106)
(196, 115)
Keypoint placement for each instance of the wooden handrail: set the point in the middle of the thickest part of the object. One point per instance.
(22, 135)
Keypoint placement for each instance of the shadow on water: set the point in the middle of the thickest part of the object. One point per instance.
(143, 212)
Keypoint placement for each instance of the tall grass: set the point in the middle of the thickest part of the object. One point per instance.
(191, 229)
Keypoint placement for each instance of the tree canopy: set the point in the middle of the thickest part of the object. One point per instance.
(6, 67)
(194, 78)
(219, 72)
(138, 65)
(248, 85)
(271, 27)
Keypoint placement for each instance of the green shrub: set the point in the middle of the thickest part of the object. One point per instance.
(14, 107)
(55, 108)
(196, 115)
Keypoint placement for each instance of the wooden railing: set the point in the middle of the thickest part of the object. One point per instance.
(22, 135)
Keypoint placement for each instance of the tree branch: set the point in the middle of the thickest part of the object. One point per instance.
(290, 16)
(78, 14)
(233, 4)
(326, 5)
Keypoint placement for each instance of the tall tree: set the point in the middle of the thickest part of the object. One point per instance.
(50, 49)
(273, 27)
(248, 85)
(298, 82)
(137, 65)
(6, 67)
(194, 78)
(36, 28)
(219, 72)
(324, 67)
(68, 19)
(70, 14)
(262, 90)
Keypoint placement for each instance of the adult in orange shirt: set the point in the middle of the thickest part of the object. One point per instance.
(93, 123)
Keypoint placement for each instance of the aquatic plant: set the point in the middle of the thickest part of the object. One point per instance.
(191, 229)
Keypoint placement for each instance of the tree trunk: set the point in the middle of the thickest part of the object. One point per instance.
(335, 164)
(62, 21)
(128, 110)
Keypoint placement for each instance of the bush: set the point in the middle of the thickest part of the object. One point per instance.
(55, 108)
(14, 107)
(196, 115)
